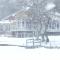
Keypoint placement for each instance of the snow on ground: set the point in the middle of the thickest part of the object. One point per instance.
(20, 53)
(54, 40)
(17, 53)
(13, 41)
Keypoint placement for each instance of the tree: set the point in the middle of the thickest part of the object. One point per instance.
(41, 17)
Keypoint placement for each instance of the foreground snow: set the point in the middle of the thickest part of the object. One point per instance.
(53, 41)
(19, 53)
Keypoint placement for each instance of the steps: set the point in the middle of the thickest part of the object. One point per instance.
(33, 43)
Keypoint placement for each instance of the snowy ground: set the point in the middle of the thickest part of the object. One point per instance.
(20, 53)
(17, 53)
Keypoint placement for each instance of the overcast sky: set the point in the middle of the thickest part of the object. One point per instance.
(8, 7)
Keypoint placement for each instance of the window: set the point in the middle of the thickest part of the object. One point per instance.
(28, 25)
